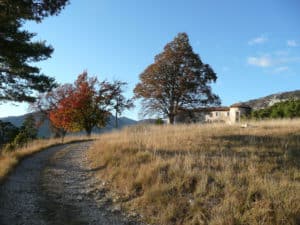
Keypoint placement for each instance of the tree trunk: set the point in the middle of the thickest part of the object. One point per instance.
(171, 118)
(88, 131)
(116, 120)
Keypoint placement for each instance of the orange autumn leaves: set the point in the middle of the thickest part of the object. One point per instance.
(62, 116)
(83, 105)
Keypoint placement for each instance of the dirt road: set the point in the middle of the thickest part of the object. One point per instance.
(56, 187)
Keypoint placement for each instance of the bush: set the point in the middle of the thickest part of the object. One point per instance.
(7, 132)
(286, 109)
(21, 139)
(159, 121)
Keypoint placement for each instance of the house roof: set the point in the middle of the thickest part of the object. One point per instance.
(240, 105)
(208, 109)
(221, 108)
(216, 108)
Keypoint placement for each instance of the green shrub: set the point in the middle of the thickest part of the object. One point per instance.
(21, 139)
(286, 109)
(159, 121)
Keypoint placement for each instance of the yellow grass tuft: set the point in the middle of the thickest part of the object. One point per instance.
(205, 174)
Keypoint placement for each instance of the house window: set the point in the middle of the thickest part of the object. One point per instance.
(217, 113)
(237, 116)
(227, 113)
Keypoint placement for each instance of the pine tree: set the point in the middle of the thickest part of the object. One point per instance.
(29, 127)
(7, 132)
(18, 79)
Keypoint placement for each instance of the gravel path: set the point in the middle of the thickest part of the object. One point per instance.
(57, 187)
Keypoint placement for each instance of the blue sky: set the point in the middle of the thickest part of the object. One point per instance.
(253, 46)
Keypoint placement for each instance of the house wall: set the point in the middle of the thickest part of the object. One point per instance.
(217, 116)
(233, 115)
(236, 114)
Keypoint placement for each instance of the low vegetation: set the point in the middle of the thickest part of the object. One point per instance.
(285, 109)
(12, 137)
(10, 158)
(204, 174)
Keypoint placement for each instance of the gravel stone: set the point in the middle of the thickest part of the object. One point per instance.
(56, 187)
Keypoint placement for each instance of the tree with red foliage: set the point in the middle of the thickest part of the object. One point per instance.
(84, 107)
(47, 102)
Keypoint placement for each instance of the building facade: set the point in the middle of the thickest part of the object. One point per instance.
(229, 115)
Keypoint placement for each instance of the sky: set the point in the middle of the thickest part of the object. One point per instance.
(253, 46)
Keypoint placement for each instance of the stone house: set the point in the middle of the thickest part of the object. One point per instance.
(231, 114)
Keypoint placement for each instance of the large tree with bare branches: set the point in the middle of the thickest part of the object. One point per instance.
(178, 79)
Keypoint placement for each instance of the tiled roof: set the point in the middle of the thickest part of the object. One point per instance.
(240, 105)
(208, 109)
(220, 108)
(223, 108)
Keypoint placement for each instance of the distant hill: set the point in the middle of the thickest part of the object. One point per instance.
(44, 130)
(258, 103)
(270, 100)
(147, 121)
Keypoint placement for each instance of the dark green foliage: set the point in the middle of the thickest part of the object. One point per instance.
(7, 132)
(19, 80)
(12, 137)
(286, 109)
(28, 132)
(20, 140)
(159, 121)
(31, 9)
(263, 102)
(29, 127)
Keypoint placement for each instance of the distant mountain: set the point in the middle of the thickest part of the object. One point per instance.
(44, 130)
(270, 100)
(147, 121)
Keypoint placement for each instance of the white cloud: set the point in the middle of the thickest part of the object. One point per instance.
(281, 69)
(262, 61)
(258, 40)
(272, 60)
(275, 62)
(291, 43)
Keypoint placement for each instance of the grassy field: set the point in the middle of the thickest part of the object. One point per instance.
(8, 160)
(204, 174)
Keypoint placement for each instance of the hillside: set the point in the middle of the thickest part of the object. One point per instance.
(269, 100)
(44, 130)
(203, 174)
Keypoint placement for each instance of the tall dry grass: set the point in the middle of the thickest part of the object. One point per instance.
(205, 174)
(9, 159)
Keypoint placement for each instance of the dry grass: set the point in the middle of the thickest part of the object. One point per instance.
(8, 160)
(205, 174)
